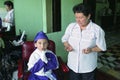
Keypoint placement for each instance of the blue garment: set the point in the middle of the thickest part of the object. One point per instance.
(50, 65)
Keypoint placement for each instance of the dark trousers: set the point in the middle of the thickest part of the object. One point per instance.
(82, 76)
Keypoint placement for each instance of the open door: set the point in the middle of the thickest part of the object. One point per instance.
(91, 3)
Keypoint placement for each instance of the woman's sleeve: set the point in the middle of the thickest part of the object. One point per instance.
(11, 20)
(66, 35)
(100, 42)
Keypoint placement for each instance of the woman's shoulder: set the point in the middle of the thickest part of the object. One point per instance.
(96, 26)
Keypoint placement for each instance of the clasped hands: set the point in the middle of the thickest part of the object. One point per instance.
(43, 56)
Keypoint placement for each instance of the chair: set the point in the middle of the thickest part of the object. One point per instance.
(27, 49)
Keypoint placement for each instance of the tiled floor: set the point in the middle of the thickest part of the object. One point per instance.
(109, 61)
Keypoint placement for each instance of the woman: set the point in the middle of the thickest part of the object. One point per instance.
(83, 39)
(8, 21)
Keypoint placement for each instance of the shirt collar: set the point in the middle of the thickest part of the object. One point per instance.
(89, 25)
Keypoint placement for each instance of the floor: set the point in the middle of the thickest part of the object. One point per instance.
(109, 61)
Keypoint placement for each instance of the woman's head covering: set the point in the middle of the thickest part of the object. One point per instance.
(40, 35)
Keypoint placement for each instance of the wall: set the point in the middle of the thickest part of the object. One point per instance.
(28, 17)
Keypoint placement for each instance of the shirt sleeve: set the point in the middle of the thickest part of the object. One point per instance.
(101, 43)
(37, 66)
(52, 62)
(34, 58)
(11, 17)
(35, 63)
(67, 33)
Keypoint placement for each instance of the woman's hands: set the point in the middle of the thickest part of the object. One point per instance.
(87, 50)
(94, 49)
(68, 47)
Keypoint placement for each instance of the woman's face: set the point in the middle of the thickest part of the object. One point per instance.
(8, 8)
(41, 44)
(81, 19)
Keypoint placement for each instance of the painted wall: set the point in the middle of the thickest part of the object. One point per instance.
(29, 17)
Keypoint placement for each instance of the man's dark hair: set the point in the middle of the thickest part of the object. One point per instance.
(9, 3)
(82, 8)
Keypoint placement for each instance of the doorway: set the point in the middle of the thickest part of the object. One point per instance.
(91, 3)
